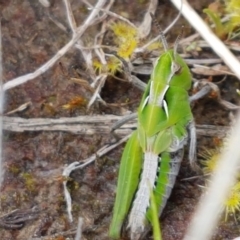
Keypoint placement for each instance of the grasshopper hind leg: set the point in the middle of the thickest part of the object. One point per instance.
(175, 163)
(176, 159)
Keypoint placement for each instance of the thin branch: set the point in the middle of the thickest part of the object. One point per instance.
(87, 54)
(203, 61)
(211, 71)
(117, 16)
(98, 41)
(86, 125)
(78, 33)
(19, 109)
(103, 16)
(96, 94)
(79, 229)
(70, 17)
(17, 218)
(30, 76)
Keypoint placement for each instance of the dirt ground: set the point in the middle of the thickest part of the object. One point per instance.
(34, 161)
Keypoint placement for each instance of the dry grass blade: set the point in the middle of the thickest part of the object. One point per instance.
(70, 17)
(97, 91)
(209, 210)
(79, 229)
(215, 70)
(145, 27)
(19, 109)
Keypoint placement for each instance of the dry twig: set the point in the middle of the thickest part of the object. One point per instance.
(76, 35)
(79, 165)
(90, 125)
(17, 218)
(79, 229)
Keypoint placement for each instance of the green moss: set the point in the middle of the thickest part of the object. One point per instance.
(30, 182)
(14, 169)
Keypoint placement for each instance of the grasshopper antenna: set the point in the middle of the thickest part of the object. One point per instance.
(162, 36)
(175, 20)
(177, 42)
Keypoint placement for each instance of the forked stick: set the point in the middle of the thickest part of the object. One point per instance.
(76, 35)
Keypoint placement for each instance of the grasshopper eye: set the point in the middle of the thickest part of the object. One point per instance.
(176, 68)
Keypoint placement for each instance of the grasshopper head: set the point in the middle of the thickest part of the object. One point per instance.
(181, 76)
(170, 69)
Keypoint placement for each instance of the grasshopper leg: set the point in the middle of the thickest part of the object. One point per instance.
(118, 124)
(203, 92)
(128, 178)
(193, 143)
(121, 122)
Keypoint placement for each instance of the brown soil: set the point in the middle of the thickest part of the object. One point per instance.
(33, 161)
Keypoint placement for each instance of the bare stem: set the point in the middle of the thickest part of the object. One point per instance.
(1, 110)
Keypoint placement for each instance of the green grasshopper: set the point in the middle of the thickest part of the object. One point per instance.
(153, 154)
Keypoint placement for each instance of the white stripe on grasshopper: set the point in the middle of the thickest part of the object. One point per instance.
(160, 101)
(165, 106)
(175, 68)
(137, 217)
(145, 103)
(152, 95)
(161, 96)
